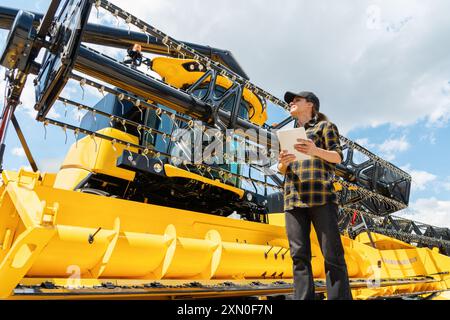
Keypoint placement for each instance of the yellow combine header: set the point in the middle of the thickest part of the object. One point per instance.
(57, 243)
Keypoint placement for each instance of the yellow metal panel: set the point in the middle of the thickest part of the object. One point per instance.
(382, 242)
(172, 171)
(108, 154)
(48, 179)
(94, 155)
(69, 178)
(277, 219)
(21, 257)
(173, 73)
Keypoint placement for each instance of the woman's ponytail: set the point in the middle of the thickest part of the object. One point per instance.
(320, 116)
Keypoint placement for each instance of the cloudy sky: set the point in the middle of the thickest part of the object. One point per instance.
(380, 68)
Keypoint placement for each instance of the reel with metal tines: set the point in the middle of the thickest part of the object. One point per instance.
(375, 158)
(186, 51)
(141, 103)
(226, 175)
(367, 194)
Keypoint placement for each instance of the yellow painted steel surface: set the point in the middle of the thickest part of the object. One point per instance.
(173, 73)
(172, 171)
(94, 155)
(44, 232)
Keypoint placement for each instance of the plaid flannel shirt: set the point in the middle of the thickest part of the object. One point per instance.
(309, 183)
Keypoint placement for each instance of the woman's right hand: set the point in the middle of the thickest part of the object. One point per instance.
(286, 158)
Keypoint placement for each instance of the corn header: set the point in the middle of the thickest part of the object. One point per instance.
(132, 213)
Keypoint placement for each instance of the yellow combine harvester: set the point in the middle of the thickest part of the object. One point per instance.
(123, 218)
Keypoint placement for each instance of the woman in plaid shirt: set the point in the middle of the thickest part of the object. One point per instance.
(309, 197)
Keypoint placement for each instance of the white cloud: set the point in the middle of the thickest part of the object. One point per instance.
(27, 99)
(430, 211)
(446, 184)
(420, 179)
(436, 93)
(365, 143)
(391, 147)
(429, 136)
(18, 152)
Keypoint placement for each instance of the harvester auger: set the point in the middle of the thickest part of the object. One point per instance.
(131, 214)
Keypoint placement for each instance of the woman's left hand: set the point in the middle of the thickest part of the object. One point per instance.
(306, 146)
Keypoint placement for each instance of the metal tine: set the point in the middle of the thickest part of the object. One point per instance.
(65, 108)
(75, 133)
(144, 154)
(116, 15)
(111, 119)
(65, 133)
(102, 91)
(164, 137)
(95, 118)
(149, 132)
(173, 137)
(82, 83)
(158, 115)
(174, 161)
(208, 169)
(137, 103)
(124, 122)
(173, 119)
(179, 47)
(130, 157)
(185, 163)
(79, 113)
(97, 6)
(199, 167)
(139, 128)
(225, 178)
(121, 97)
(144, 30)
(166, 42)
(128, 21)
(95, 142)
(221, 175)
(113, 142)
(45, 129)
(229, 176)
(158, 157)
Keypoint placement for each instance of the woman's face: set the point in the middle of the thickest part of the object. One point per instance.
(299, 106)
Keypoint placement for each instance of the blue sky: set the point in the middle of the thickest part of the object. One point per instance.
(381, 69)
